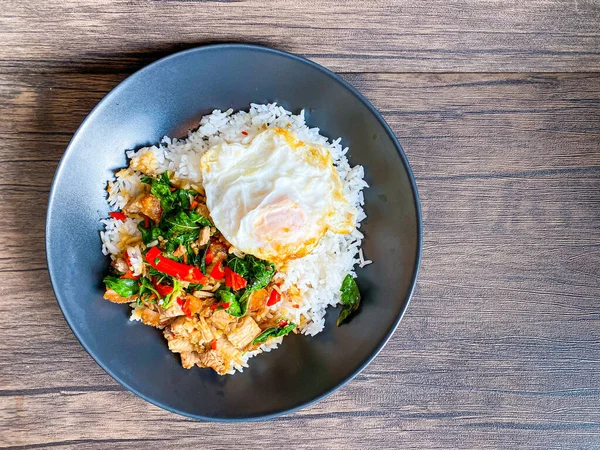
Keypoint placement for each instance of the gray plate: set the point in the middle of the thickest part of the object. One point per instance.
(167, 98)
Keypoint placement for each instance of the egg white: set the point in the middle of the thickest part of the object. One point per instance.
(276, 196)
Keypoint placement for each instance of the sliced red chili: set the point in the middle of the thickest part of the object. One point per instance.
(245, 133)
(181, 271)
(282, 323)
(180, 301)
(193, 204)
(217, 272)
(146, 222)
(234, 280)
(186, 308)
(126, 258)
(162, 289)
(118, 215)
(130, 276)
(228, 279)
(213, 344)
(274, 298)
(209, 256)
(240, 281)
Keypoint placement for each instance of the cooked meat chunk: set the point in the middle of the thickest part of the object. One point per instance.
(204, 236)
(257, 299)
(112, 296)
(195, 330)
(193, 304)
(150, 317)
(189, 359)
(150, 206)
(172, 311)
(203, 209)
(133, 207)
(219, 250)
(180, 251)
(120, 265)
(221, 319)
(203, 332)
(227, 350)
(178, 344)
(212, 359)
(244, 333)
(182, 326)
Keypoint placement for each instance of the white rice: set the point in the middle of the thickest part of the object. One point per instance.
(318, 275)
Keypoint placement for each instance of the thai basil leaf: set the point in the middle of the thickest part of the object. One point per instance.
(168, 299)
(226, 296)
(161, 188)
(194, 287)
(274, 332)
(125, 287)
(203, 260)
(257, 272)
(183, 198)
(235, 309)
(146, 290)
(149, 234)
(350, 298)
(238, 265)
(261, 272)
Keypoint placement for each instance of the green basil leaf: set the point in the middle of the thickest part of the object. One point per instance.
(238, 265)
(226, 296)
(183, 198)
(350, 298)
(203, 259)
(168, 299)
(149, 234)
(125, 287)
(261, 272)
(146, 291)
(274, 332)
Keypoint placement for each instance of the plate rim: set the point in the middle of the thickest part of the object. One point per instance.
(337, 78)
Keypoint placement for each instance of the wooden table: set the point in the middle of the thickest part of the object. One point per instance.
(497, 105)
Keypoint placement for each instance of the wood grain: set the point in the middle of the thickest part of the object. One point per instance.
(347, 36)
(499, 347)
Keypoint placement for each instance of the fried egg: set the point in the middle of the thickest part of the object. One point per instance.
(276, 196)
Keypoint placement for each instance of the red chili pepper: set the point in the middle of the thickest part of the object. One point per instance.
(181, 271)
(217, 273)
(180, 301)
(193, 205)
(213, 344)
(130, 276)
(234, 280)
(296, 306)
(118, 215)
(162, 289)
(227, 274)
(274, 297)
(126, 258)
(240, 281)
(186, 308)
(282, 323)
(146, 222)
(245, 133)
(209, 256)
(214, 306)
(225, 305)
